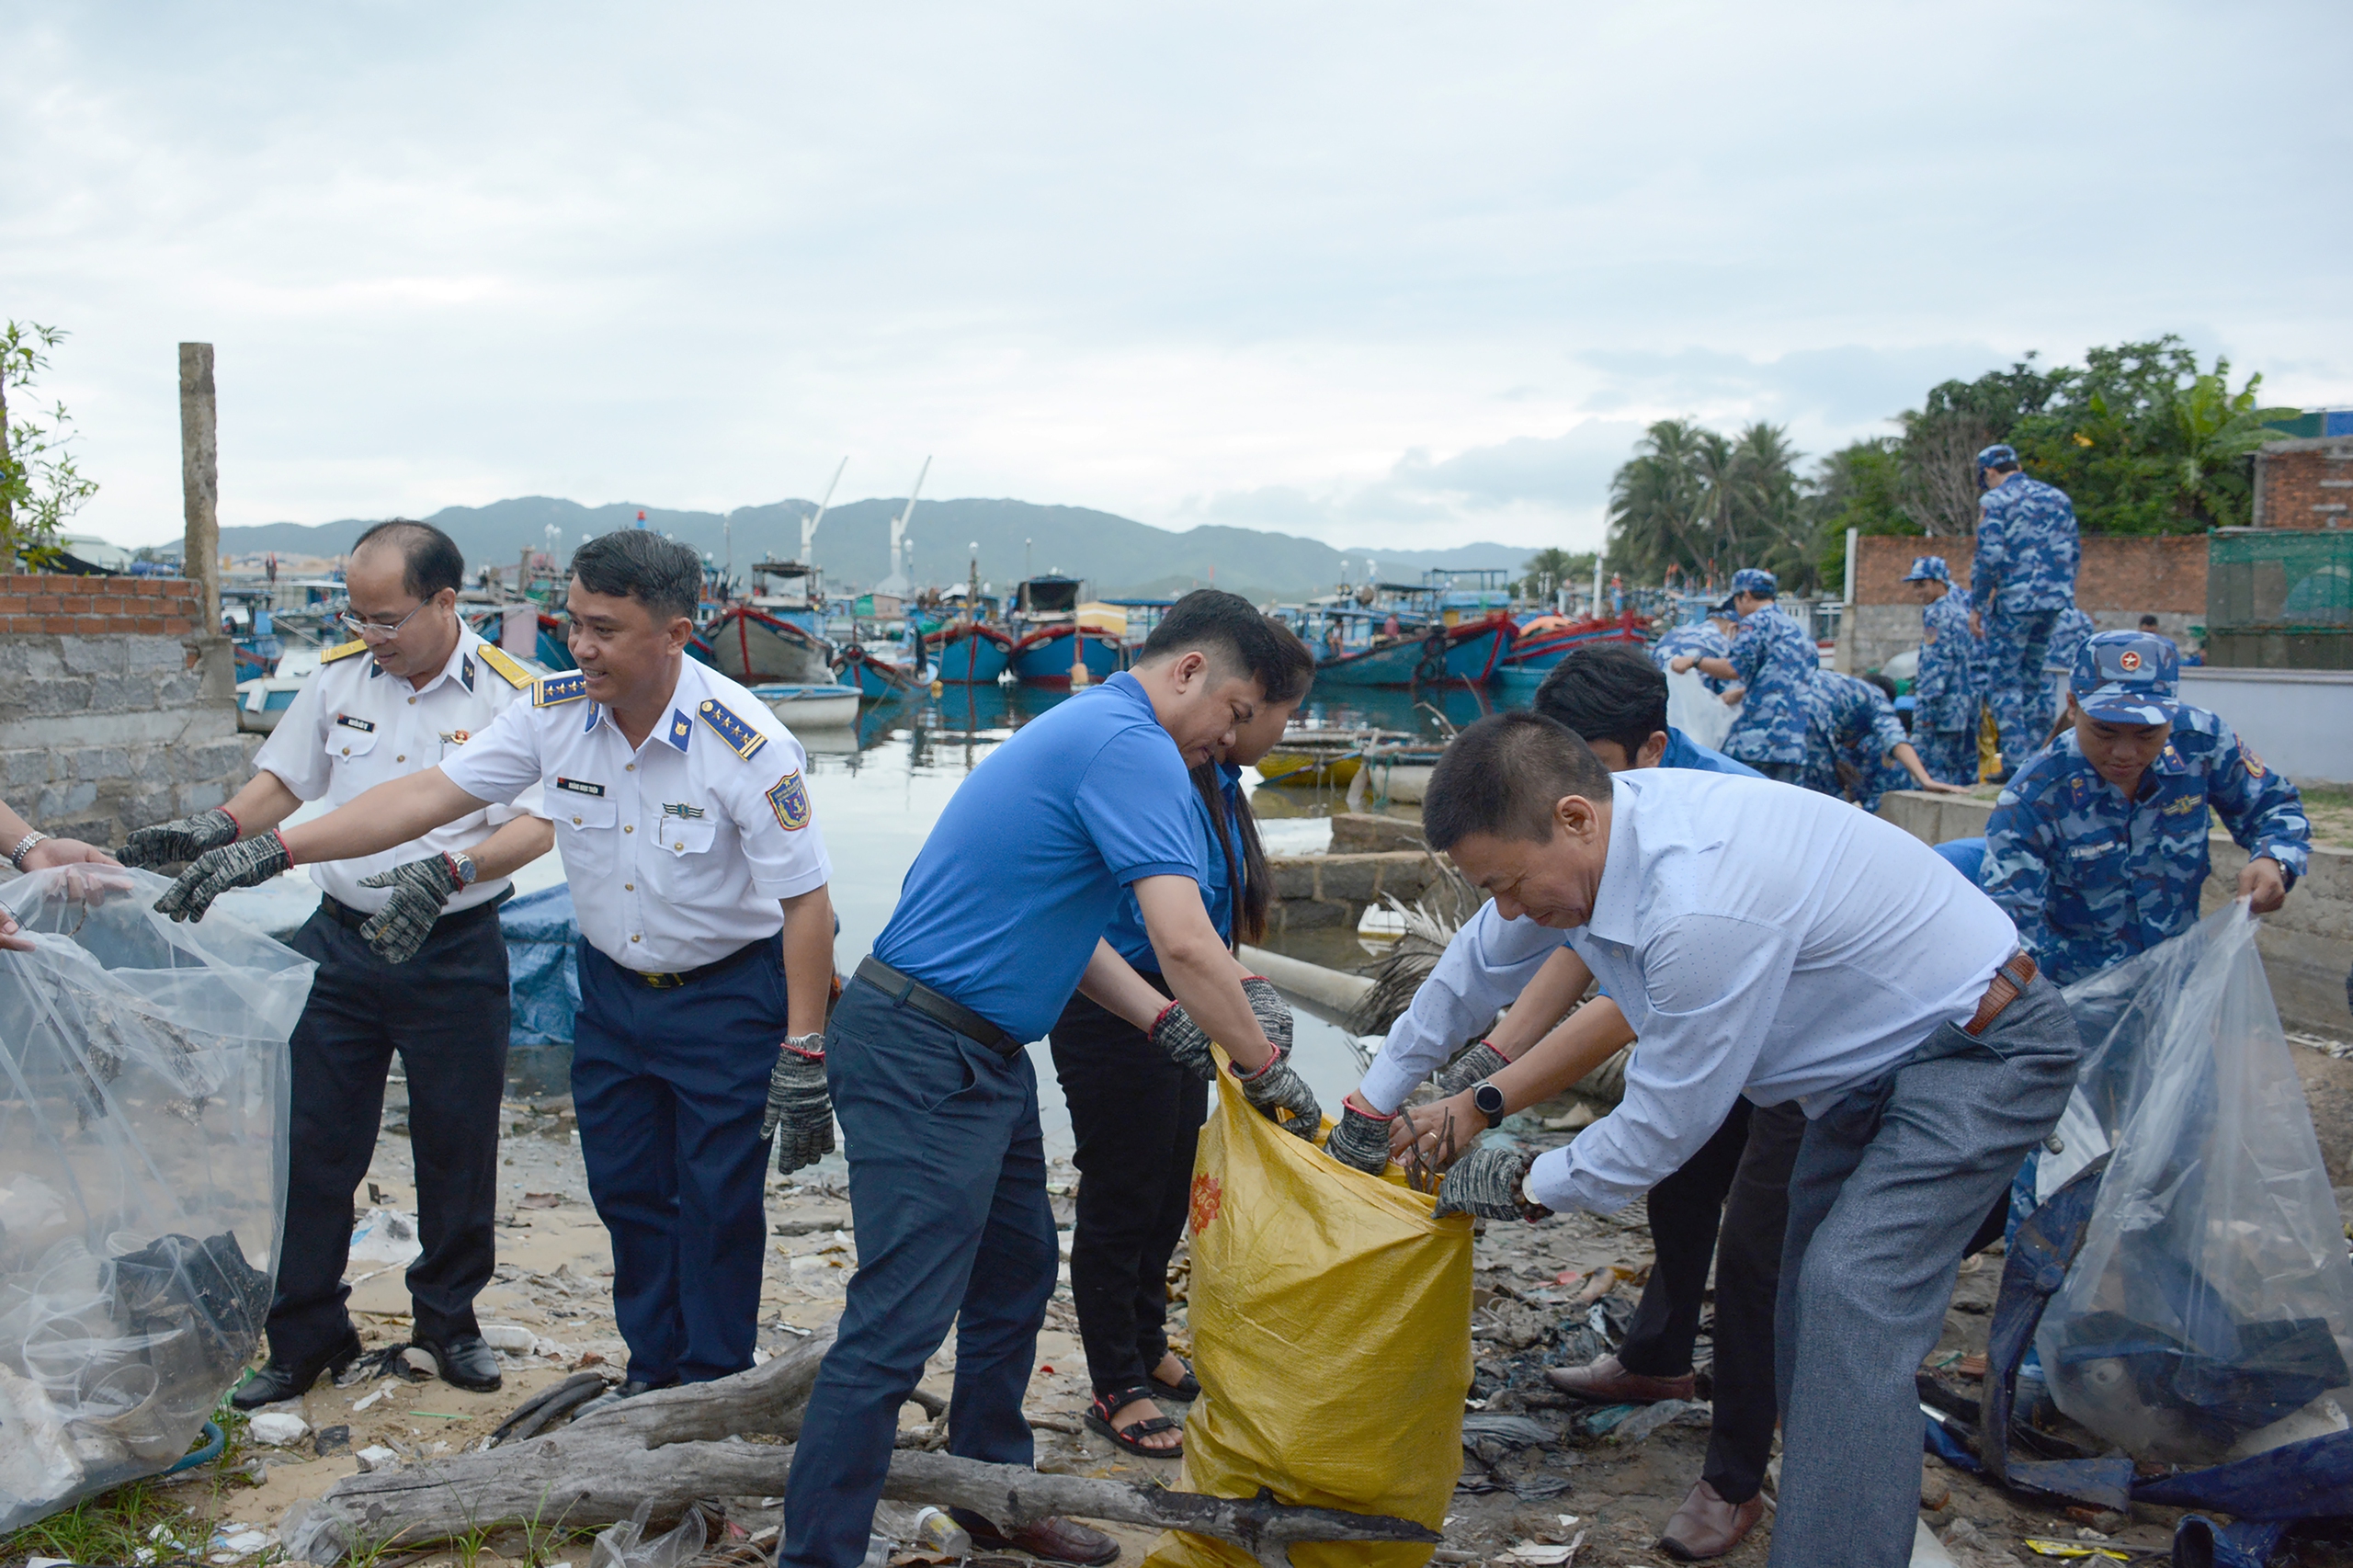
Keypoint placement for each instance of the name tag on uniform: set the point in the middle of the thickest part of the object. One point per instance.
(350, 721)
(580, 786)
(679, 809)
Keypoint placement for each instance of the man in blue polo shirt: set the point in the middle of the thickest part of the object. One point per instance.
(999, 920)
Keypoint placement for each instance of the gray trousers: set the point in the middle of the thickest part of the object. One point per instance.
(1890, 1183)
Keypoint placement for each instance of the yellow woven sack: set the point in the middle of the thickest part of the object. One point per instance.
(1331, 1325)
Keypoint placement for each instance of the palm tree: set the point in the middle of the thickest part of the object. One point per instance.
(1658, 503)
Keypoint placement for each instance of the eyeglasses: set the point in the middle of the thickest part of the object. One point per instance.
(365, 628)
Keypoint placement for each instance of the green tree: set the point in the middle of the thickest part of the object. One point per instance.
(1695, 504)
(39, 484)
(1549, 568)
(1955, 422)
(1859, 487)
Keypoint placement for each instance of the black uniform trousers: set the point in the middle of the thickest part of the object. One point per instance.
(1739, 1180)
(1135, 1115)
(445, 1012)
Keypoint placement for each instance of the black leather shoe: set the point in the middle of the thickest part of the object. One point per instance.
(465, 1361)
(291, 1380)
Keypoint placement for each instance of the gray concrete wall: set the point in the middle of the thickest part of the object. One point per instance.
(103, 732)
(1312, 891)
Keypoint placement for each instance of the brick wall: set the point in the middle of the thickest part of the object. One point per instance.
(2120, 580)
(2304, 484)
(117, 709)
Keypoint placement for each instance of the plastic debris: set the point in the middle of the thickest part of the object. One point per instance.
(277, 1428)
(624, 1545)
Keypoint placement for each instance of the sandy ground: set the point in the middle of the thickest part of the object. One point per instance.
(554, 1279)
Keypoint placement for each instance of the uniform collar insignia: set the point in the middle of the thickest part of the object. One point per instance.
(682, 729)
(374, 669)
(466, 671)
(595, 712)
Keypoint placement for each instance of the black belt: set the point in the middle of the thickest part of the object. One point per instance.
(352, 919)
(906, 988)
(671, 980)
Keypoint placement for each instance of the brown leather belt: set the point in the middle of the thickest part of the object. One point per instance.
(2009, 982)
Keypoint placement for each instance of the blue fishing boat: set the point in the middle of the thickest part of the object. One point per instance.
(1044, 657)
(877, 678)
(1470, 652)
(965, 652)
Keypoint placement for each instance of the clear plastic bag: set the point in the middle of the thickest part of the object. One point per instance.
(2210, 1314)
(1696, 711)
(143, 1150)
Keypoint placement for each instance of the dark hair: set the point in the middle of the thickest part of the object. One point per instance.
(1230, 628)
(1504, 776)
(1607, 692)
(2148, 621)
(430, 559)
(660, 574)
(1886, 684)
(1246, 856)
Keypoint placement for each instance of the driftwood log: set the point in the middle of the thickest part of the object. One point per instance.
(676, 1445)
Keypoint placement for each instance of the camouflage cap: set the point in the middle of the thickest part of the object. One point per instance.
(2128, 678)
(1998, 456)
(1928, 569)
(1756, 581)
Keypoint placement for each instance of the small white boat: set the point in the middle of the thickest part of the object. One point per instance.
(810, 707)
(263, 701)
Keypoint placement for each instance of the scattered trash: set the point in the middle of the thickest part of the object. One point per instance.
(370, 1401)
(1538, 1555)
(543, 1201)
(509, 1336)
(624, 1545)
(1649, 1418)
(277, 1428)
(234, 1543)
(2073, 1549)
(386, 1236)
(330, 1440)
(375, 1457)
(935, 1531)
(1512, 1431)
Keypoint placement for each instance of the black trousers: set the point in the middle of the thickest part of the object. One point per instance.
(445, 1012)
(1739, 1181)
(1136, 1116)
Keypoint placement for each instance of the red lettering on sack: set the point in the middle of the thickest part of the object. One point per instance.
(1208, 1197)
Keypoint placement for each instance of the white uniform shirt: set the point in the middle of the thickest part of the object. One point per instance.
(677, 850)
(353, 727)
(1759, 939)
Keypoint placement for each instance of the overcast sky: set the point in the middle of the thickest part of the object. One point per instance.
(1384, 275)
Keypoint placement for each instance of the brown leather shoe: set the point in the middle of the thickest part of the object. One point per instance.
(1707, 1525)
(1054, 1540)
(1604, 1381)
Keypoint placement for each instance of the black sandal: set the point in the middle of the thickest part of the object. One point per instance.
(1099, 1418)
(1187, 1388)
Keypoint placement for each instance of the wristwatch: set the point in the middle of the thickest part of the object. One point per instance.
(463, 865)
(1490, 1101)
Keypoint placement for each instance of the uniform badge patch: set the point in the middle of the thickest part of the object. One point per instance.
(344, 649)
(2127, 661)
(680, 728)
(353, 721)
(790, 800)
(680, 809)
(455, 737)
(466, 672)
(741, 738)
(569, 687)
(2254, 769)
(498, 659)
(580, 786)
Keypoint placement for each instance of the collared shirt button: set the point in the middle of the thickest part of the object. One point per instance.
(628, 767)
(412, 702)
(628, 887)
(637, 939)
(576, 821)
(401, 758)
(629, 827)
(680, 845)
(347, 751)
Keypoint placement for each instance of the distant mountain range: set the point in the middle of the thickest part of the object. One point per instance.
(1116, 555)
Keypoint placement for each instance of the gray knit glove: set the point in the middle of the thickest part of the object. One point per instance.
(245, 865)
(1272, 1011)
(1486, 1182)
(799, 1103)
(1277, 1087)
(173, 843)
(1473, 1067)
(1361, 1141)
(421, 889)
(1184, 1042)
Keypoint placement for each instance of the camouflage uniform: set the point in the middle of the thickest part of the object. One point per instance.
(2024, 575)
(1700, 641)
(1944, 694)
(1775, 659)
(1850, 721)
(2068, 635)
(2092, 879)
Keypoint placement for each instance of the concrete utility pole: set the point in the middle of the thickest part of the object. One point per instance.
(200, 478)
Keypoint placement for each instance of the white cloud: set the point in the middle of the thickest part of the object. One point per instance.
(1383, 274)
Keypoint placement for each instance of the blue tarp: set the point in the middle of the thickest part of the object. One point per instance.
(542, 964)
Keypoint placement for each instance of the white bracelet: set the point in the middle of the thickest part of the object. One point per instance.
(24, 846)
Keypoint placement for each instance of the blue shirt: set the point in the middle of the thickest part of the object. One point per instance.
(1775, 658)
(1125, 933)
(2028, 548)
(2092, 879)
(1682, 751)
(1004, 905)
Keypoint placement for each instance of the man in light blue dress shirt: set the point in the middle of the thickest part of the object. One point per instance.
(1780, 945)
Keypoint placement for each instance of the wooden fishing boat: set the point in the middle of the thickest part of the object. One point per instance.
(1543, 645)
(877, 678)
(825, 706)
(966, 653)
(755, 646)
(1470, 652)
(1044, 656)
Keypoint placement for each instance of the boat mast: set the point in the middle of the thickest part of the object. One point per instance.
(899, 524)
